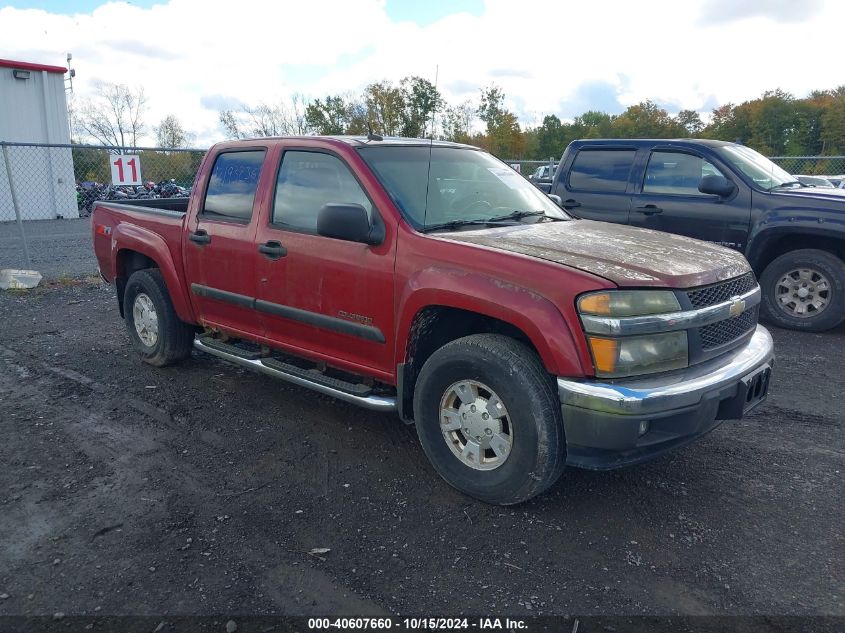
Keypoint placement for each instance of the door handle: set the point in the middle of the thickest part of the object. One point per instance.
(649, 209)
(200, 237)
(570, 204)
(272, 249)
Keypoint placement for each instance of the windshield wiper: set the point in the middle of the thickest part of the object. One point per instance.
(499, 219)
(791, 183)
(515, 215)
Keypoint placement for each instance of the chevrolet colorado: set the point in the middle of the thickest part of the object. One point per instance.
(430, 279)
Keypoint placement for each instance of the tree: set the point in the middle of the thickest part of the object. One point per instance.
(592, 124)
(113, 115)
(281, 119)
(457, 122)
(170, 133)
(337, 115)
(550, 137)
(646, 120)
(691, 121)
(422, 101)
(385, 108)
(504, 136)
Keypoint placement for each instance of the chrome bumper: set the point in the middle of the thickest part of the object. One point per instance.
(670, 391)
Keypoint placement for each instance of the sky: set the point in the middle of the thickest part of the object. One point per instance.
(196, 57)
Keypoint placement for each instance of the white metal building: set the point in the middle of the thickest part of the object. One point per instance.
(33, 109)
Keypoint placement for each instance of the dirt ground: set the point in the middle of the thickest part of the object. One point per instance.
(197, 489)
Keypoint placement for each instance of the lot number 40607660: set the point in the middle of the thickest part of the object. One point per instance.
(126, 170)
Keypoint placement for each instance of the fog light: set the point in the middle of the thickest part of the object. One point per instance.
(643, 428)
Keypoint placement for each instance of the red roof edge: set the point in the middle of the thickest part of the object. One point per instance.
(9, 63)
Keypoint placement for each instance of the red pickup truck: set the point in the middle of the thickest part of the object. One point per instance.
(430, 279)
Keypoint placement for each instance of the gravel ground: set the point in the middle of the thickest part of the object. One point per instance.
(57, 248)
(201, 489)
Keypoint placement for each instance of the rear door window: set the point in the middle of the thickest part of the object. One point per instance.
(602, 170)
(231, 188)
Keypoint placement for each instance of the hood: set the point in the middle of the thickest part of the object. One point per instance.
(812, 192)
(625, 255)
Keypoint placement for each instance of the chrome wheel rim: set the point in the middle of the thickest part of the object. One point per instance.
(146, 320)
(476, 425)
(803, 293)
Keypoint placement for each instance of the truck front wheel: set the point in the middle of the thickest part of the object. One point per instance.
(804, 290)
(155, 330)
(489, 420)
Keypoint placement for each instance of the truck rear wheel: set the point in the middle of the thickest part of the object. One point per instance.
(804, 290)
(155, 330)
(489, 420)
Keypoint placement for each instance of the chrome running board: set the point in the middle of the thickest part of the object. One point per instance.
(276, 369)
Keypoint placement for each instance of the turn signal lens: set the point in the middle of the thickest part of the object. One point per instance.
(624, 303)
(605, 353)
(637, 355)
(598, 303)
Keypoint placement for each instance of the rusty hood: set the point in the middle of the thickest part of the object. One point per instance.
(627, 256)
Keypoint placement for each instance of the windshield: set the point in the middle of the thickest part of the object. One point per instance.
(756, 166)
(461, 185)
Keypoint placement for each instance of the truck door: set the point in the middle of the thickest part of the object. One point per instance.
(669, 200)
(219, 246)
(322, 297)
(595, 184)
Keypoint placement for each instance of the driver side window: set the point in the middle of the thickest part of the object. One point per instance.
(306, 182)
(676, 173)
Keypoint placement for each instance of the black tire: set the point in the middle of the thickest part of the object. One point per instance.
(826, 264)
(174, 339)
(515, 373)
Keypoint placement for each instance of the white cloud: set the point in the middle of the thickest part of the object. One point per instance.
(547, 56)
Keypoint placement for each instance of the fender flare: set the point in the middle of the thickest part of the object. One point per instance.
(130, 237)
(533, 314)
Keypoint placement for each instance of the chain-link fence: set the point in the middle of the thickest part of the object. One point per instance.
(827, 166)
(58, 185)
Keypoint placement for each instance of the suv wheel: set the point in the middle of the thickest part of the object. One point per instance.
(488, 418)
(804, 290)
(155, 330)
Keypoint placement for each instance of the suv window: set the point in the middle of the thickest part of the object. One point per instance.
(309, 180)
(231, 189)
(676, 173)
(601, 169)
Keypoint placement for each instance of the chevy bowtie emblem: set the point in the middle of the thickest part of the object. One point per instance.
(737, 306)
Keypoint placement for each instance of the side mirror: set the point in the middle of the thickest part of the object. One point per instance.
(556, 199)
(716, 185)
(347, 222)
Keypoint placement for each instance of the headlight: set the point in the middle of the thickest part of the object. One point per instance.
(617, 357)
(623, 303)
(635, 355)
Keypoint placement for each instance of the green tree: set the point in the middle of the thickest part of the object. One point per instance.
(504, 135)
(646, 120)
(457, 122)
(551, 139)
(690, 121)
(422, 100)
(385, 108)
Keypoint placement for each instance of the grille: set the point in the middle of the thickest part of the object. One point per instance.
(723, 332)
(717, 293)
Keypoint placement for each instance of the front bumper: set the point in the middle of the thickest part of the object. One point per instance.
(604, 421)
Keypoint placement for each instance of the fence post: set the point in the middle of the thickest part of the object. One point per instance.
(15, 204)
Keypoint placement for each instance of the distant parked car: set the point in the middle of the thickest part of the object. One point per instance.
(837, 181)
(815, 181)
(543, 173)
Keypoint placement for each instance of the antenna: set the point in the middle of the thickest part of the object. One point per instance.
(434, 110)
